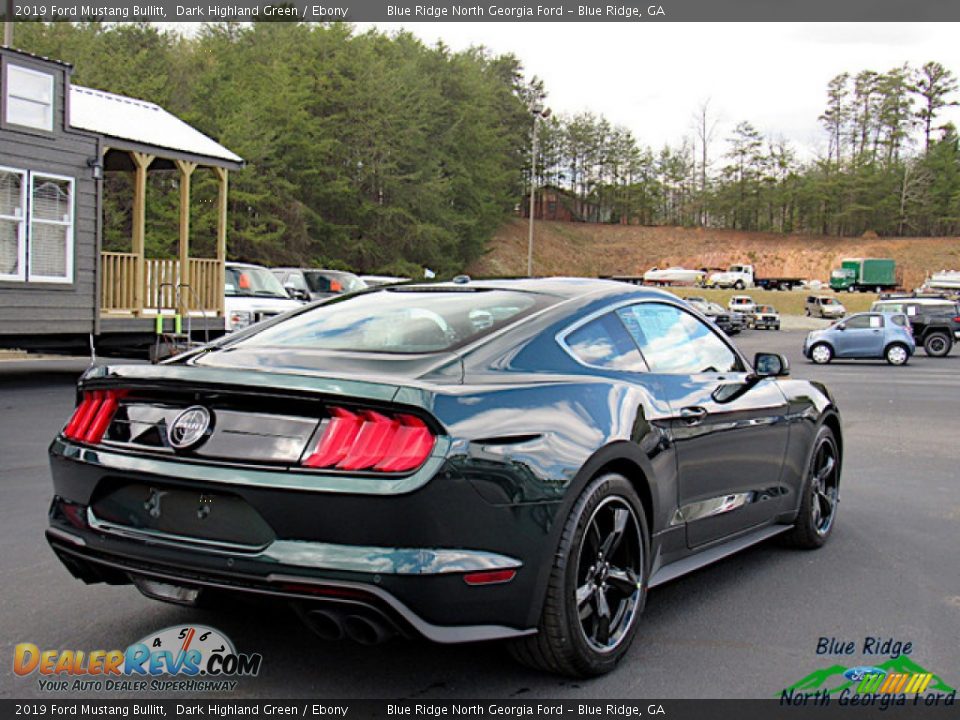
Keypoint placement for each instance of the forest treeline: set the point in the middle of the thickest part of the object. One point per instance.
(378, 153)
(889, 166)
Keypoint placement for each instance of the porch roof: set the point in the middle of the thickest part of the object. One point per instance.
(144, 126)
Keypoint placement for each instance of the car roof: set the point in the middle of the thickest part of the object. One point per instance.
(245, 265)
(563, 287)
(918, 301)
(311, 269)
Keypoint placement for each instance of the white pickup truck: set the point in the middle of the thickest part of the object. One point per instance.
(253, 294)
(741, 277)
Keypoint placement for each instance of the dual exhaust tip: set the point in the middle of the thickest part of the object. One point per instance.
(361, 626)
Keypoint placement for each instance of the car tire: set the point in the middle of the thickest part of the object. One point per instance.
(821, 353)
(738, 285)
(806, 311)
(937, 344)
(819, 495)
(896, 354)
(569, 642)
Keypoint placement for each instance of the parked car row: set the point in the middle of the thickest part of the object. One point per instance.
(254, 293)
(740, 313)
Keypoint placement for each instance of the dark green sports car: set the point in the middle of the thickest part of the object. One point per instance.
(518, 460)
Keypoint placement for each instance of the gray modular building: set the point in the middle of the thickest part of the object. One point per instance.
(58, 288)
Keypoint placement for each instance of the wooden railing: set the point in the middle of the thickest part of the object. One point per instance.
(161, 279)
(205, 283)
(118, 273)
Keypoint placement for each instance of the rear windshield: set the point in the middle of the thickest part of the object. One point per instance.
(399, 321)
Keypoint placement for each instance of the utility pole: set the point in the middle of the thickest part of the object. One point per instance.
(538, 112)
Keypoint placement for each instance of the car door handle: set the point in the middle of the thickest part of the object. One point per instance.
(693, 415)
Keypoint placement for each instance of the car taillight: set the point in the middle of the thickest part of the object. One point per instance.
(93, 415)
(368, 440)
(957, 319)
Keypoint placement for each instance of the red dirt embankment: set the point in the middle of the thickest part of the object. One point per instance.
(591, 250)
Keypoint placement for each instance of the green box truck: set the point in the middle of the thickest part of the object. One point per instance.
(865, 275)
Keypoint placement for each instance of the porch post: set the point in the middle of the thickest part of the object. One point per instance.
(221, 237)
(142, 162)
(186, 170)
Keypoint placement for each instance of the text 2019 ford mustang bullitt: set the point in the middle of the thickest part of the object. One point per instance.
(519, 460)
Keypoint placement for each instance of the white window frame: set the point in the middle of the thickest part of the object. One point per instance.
(66, 279)
(21, 219)
(9, 92)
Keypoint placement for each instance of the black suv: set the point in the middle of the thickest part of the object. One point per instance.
(934, 319)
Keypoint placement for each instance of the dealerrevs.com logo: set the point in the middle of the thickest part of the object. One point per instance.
(180, 658)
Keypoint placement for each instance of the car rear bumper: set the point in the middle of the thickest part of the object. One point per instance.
(407, 556)
(95, 559)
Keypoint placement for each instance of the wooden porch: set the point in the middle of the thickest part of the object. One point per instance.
(134, 286)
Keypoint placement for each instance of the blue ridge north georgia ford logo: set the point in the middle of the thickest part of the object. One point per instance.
(189, 427)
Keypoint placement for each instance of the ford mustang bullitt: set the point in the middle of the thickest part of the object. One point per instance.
(518, 460)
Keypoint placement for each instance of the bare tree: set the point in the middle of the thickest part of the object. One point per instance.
(705, 126)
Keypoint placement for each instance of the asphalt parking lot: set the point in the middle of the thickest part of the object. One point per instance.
(746, 627)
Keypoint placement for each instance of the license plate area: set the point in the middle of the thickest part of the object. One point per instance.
(176, 514)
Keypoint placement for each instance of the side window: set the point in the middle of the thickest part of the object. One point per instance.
(674, 341)
(13, 214)
(898, 320)
(861, 322)
(29, 98)
(604, 343)
(296, 279)
(51, 228)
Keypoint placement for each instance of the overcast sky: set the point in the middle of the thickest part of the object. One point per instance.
(651, 77)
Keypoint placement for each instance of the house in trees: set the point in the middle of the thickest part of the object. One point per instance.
(57, 287)
(554, 203)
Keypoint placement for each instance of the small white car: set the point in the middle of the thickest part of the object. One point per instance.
(253, 294)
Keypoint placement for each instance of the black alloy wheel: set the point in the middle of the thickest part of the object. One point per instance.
(597, 586)
(609, 568)
(821, 494)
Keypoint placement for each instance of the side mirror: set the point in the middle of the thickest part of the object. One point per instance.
(771, 365)
(842, 326)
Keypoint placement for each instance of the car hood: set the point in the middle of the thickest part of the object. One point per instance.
(261, 304)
